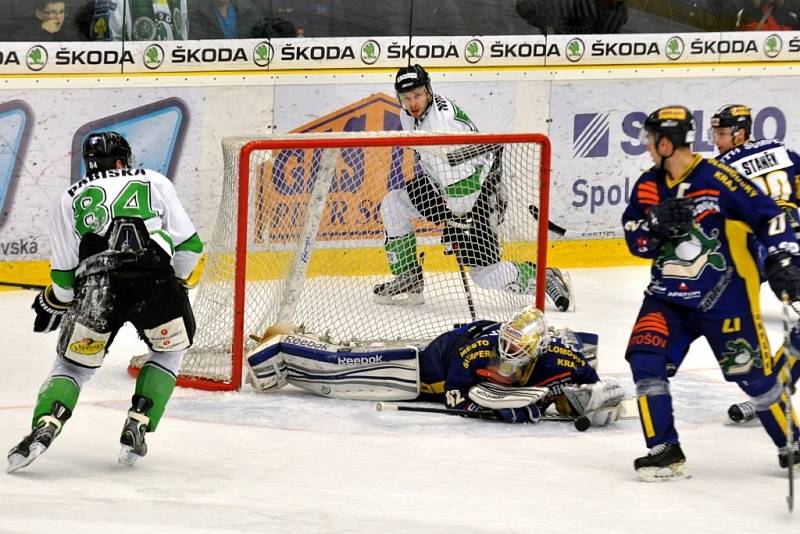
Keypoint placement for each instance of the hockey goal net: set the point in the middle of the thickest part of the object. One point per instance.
(299, 237)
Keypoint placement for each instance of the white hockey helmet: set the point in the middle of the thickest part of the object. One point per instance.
(521, 340)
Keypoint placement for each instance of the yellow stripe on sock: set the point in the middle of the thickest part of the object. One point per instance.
(777, 413)
(647, 421)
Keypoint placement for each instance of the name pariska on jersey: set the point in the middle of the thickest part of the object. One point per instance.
(112, 173)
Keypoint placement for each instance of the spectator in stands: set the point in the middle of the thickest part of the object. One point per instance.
(574, 16)
(144, 20)
(43, 23)
(769, 15)
(222, 19)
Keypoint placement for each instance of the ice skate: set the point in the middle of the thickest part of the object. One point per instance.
(132, 438)
(404, 289)
(663, 462)
(39, 440)
(558, 287)
(742, 412)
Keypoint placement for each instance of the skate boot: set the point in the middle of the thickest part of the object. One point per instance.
(558, 287)
(783, 457)
(132, 438)
(742, 412)
(34, 444)
(403, 289)
(663, 462)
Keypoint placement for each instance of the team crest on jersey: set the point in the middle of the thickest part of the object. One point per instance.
(688, 256)
(740, 357)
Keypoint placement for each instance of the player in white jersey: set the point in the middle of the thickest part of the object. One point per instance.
(467, 198)
(123, 249)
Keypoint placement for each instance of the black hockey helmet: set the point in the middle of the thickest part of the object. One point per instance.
(101, 150)
(733, 116)
(676, 123)
(411, 77)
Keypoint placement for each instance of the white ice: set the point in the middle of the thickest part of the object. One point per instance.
(291, 462)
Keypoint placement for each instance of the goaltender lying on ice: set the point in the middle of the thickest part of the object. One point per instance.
(515, 369)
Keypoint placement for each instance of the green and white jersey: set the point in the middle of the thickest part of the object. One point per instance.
(460, 184)
(89, 206)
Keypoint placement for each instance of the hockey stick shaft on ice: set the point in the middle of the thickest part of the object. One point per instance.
(478, 414)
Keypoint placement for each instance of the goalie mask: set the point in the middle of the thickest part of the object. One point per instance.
(521, 341)
(101, 150)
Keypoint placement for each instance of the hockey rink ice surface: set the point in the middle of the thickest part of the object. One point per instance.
(292, 462)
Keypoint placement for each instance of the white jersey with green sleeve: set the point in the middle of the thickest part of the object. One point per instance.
(89, 206)
(460, 184)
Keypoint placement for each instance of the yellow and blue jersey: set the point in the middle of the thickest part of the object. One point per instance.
(711, 266)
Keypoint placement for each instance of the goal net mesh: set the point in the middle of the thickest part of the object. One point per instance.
(300, 220)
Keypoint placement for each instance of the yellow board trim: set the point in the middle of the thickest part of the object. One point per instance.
(647, 421)
(737, 233)
(635, 68)
(372, 261)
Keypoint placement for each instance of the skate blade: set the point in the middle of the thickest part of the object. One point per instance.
(18, 461)
(570, 291)
(127, 456)
(676, 471)
(407, 299)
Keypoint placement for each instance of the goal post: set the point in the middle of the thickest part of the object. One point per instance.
(299, 237)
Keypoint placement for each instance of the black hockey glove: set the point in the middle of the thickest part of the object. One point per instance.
(49, 311)
(783, 275)
(672, 217)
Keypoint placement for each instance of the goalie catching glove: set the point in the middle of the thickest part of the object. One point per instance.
(600, 402)
(49, 311)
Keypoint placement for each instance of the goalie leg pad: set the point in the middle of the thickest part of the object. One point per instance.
(266, 367)
(358, 372)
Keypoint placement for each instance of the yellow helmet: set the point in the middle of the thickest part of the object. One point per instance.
(521, 341)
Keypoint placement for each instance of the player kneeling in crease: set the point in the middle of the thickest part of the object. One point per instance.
(467, 199)
(775, 169)
(123, 249)
(694, 217)
(515, 368)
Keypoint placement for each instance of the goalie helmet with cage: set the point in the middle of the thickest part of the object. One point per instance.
(676, 123)
(735, 117)
(521, 340)
(102, 150)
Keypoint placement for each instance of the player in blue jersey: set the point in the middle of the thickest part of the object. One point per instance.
(775, 169)
(694, 217)
(523, 365)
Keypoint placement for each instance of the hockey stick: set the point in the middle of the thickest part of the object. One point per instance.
(467, 290)
(581, 423)
(20, 285)
(478, 414)
(553, 227)
(466, 153)
(560, 230)
(789, 412)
